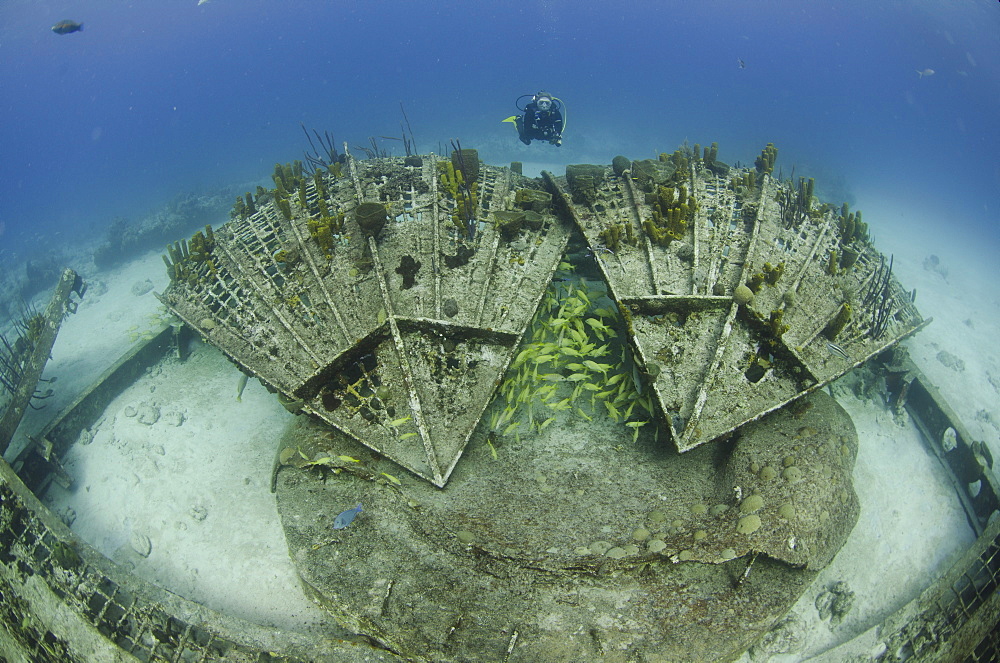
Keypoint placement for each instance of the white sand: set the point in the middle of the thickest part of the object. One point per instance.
(195, 483)
(200, 490)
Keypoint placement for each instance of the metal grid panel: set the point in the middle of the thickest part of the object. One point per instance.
(301, 306)
(716, 364)
(126, 617)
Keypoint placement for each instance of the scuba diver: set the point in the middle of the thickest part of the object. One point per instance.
(543, 119)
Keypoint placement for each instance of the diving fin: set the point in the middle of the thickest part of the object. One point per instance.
(512, 119)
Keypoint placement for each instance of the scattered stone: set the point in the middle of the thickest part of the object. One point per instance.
(951, 361)
(68, 516)
(466, 537)
(141, 544)
(835, 602)
(933, 264)
(199, 513)
(148, 414)
(286, 455)
(140, 288)
(784, 638)
(173, 418)
(130, 411)
(616, 553)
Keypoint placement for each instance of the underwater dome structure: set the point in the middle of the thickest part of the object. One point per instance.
(450, 331)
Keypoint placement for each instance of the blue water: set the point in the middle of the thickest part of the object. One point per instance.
(156, 98)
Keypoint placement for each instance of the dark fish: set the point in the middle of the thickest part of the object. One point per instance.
(345, 517)
(66, 27)
(743, 65)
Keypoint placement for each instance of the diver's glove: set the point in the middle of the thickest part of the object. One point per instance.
(557, 142)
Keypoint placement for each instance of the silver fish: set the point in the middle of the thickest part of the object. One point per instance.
(837, 350)
(925, 72)
(241, 386)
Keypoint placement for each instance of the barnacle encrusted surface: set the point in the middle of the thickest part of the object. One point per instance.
(584, 543)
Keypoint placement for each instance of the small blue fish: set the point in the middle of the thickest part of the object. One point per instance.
(345, 518)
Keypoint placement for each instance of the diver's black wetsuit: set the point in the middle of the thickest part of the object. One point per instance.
(540, 125)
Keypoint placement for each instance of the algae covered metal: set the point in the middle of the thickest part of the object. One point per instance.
(387, 296)
(384, 296)
(741, 292)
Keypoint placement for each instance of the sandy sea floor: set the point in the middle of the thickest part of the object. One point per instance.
(174, 482)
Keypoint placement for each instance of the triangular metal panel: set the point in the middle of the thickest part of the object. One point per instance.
(713, 363)
(397, 339)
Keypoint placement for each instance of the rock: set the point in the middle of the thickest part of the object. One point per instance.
(140, 288)
(951, 361)
(68, 516)
(784, 638)
(547, 539)
(141, 544)
(148, 414)
(933, 264)
(173, 418)
(835, 602)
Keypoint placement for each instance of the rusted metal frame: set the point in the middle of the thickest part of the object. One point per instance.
(804, 267)
(59, 305)
(723, 339)
(436, 229)
(274, 309)
(933, 416)
(647, 242)
(397, 339)
(695, 244)
(715, 235)
(491, 261)
(352, 172)
(307, 254)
